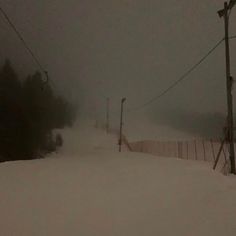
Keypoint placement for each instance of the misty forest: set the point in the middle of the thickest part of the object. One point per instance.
(30, 111)
(117, 118)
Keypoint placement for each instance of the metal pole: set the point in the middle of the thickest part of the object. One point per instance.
(107, 115)
(121, 122)
(229, 91)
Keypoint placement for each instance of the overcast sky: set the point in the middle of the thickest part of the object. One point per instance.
(134, 48)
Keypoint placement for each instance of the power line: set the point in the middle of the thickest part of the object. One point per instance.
(24, 42)
(174, 84)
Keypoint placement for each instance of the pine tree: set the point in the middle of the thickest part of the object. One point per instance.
(29, 111)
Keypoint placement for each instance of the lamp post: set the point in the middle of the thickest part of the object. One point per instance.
(225, 13)
(121, 122)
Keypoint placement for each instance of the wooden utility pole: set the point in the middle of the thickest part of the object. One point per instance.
(230, 124)
(121, 122)
(107, 115)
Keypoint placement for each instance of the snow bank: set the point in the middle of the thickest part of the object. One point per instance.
(102, 192)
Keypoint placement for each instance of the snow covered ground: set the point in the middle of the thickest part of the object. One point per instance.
(89, 189)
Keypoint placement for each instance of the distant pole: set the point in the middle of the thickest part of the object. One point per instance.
(121, 122)
(230, 137)
(107, 115)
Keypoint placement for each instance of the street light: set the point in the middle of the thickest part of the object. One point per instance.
(121, 122)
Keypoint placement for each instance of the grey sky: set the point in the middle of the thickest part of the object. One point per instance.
(134, 48)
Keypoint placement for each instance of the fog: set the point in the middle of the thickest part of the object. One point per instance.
(123, 48)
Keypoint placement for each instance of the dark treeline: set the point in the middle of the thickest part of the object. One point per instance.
(29, 111)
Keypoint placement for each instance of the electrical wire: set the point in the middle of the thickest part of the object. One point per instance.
(36, 60)
(180, 79)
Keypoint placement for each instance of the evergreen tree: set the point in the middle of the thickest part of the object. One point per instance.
(29, 111)
(11, 116)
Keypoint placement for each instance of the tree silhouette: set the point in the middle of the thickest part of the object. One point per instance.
(29, 111)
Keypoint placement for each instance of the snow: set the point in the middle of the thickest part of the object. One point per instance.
(89, 189)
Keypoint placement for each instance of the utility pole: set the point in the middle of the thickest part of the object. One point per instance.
(108, 115)
(230, 129)
(121, 122)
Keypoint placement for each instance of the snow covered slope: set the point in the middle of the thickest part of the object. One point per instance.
(89, 189)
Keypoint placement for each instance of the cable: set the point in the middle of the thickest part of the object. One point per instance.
(174, 84)
(24, 43)
(232, 37)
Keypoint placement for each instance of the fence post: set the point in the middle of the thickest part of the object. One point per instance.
(181, 149)
(195, 145)
(178, 151)
(204, 150)
(187, 149)
(213, 151)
